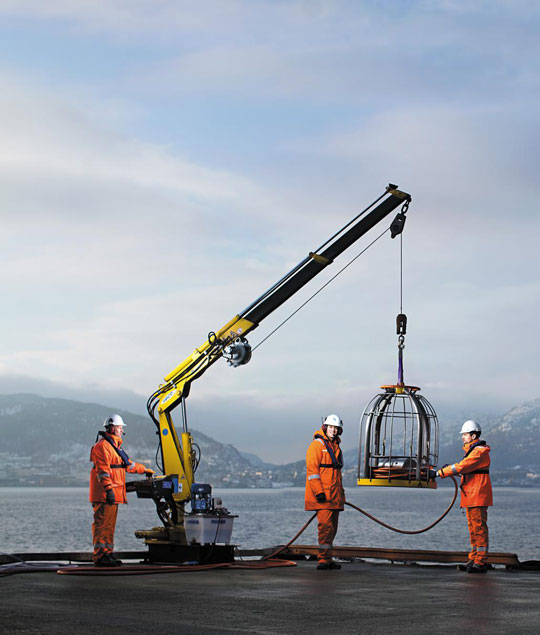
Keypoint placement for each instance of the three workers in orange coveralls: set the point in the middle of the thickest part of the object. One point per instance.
(108, 488)
(476, 493)
(324, 489)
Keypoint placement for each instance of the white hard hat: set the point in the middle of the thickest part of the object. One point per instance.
(114, 420)
(333, 420)
(470, 426)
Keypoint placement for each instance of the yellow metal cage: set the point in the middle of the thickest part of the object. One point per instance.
(399, 439)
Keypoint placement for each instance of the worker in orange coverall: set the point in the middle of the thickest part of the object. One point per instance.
(324, 489)
(476, 493)
(108, 487)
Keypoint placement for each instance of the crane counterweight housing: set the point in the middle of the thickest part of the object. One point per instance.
(179, 456)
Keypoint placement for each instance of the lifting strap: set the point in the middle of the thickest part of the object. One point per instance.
(126, 461)
(337, 463)
(473, 446)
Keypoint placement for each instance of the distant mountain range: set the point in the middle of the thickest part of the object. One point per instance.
(47, 441)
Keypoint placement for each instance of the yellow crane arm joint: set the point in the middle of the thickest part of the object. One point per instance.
(320, 259)
(395, 192)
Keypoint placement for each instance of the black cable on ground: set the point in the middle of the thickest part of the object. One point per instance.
(145, 569)
(22, 566)
(529, 565)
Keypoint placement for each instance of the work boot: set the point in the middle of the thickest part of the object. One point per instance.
(477, 568)
(465, 567)
(328, 565)
(117, 561)
(107, 560)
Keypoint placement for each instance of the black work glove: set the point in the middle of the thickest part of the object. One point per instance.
(433, 474)
(321, 498)
(109, 497)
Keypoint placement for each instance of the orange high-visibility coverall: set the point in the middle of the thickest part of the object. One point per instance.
(321, 477)
(108, 473)
(476, 495)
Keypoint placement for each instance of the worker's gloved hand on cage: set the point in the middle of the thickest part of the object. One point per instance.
(109, 497)
(321, 498)
(433, 473)
(440, 471)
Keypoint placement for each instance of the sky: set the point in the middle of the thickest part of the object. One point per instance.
(164, 162)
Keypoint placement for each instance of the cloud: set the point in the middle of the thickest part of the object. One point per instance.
(55, 140)
(120, 399)
(129, 252)
(157, 186)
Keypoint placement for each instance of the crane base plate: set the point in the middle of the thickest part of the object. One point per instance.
(163, 551)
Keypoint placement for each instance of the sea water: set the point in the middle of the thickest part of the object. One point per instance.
(59, 519)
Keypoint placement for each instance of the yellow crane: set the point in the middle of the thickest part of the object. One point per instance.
(178, 458)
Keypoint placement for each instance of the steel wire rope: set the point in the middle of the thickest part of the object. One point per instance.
(195, 366)
(351, 222)
(321, 288)
(401, 272)
(154, 396)
(299, 266)
(152, 400)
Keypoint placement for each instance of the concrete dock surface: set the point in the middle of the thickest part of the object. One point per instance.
(360, 598)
